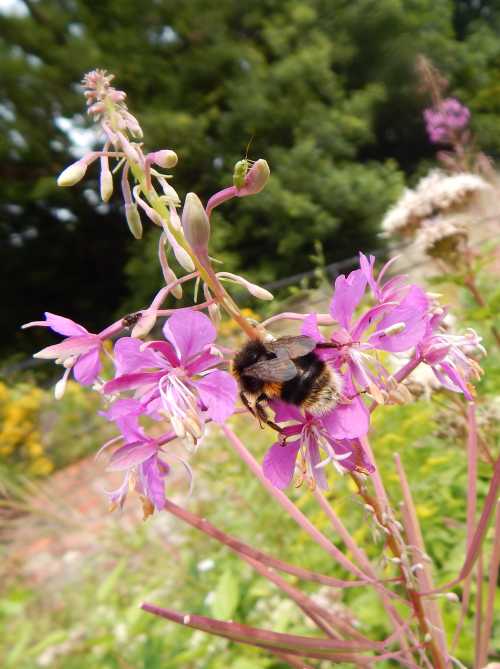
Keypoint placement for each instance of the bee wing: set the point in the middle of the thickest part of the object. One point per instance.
(276, 369)
(291, 347)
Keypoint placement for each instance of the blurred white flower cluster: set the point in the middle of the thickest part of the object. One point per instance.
(437, 213)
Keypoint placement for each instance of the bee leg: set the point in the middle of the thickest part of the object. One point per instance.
(247, 404)
(262, 415)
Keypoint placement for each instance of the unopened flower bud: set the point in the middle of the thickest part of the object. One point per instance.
(182, 256)
(106, 183)
(253, 289)
(259, 292)
(255, 179)
(72, 174)
(195, 222)
(133, 220)
(165, 158)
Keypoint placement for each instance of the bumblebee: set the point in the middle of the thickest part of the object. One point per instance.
(288, 369)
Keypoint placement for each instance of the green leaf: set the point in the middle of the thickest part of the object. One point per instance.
(226, 596)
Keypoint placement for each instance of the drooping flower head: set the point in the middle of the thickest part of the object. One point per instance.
(452, 357)
(141, 458)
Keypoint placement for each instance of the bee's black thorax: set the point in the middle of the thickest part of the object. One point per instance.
(310, 369)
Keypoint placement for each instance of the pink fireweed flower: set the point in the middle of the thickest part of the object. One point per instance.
(444, 120)
(335, 434)
(450, 356)
(80, 351)
(177, 378)
(139, 457)
(396, 324)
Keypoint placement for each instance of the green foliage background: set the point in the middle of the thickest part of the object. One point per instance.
(325, 89)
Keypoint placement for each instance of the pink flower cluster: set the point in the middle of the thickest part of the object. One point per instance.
(402, 321)
(445, 120)
(178, 380)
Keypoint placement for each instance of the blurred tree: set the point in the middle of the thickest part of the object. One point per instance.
(325, 90)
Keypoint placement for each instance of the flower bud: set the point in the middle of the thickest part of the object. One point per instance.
(255, 179)
(72, 174)
(164, 158)
(259, 292)
(133, 220)
(106, 183)
(195, 222)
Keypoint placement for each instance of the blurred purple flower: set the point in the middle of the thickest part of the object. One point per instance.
(443, 121)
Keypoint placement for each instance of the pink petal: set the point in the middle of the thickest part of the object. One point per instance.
(130, 429)
(189, 332)
(131, 454)
(413, 313)
(153, 473)
(130, 358)
(217, 391)
(131, 381)
(347, 421)
(64, 326)
(87, 367)
(123, 407)
(367, 265)
(347, 295)
(279, 463)
(369, 317)
(284, 412)
(69, 346)
(202, 362)
(310, 328)
(167, 351)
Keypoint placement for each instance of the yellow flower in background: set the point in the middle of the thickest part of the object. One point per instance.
(20, 437)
